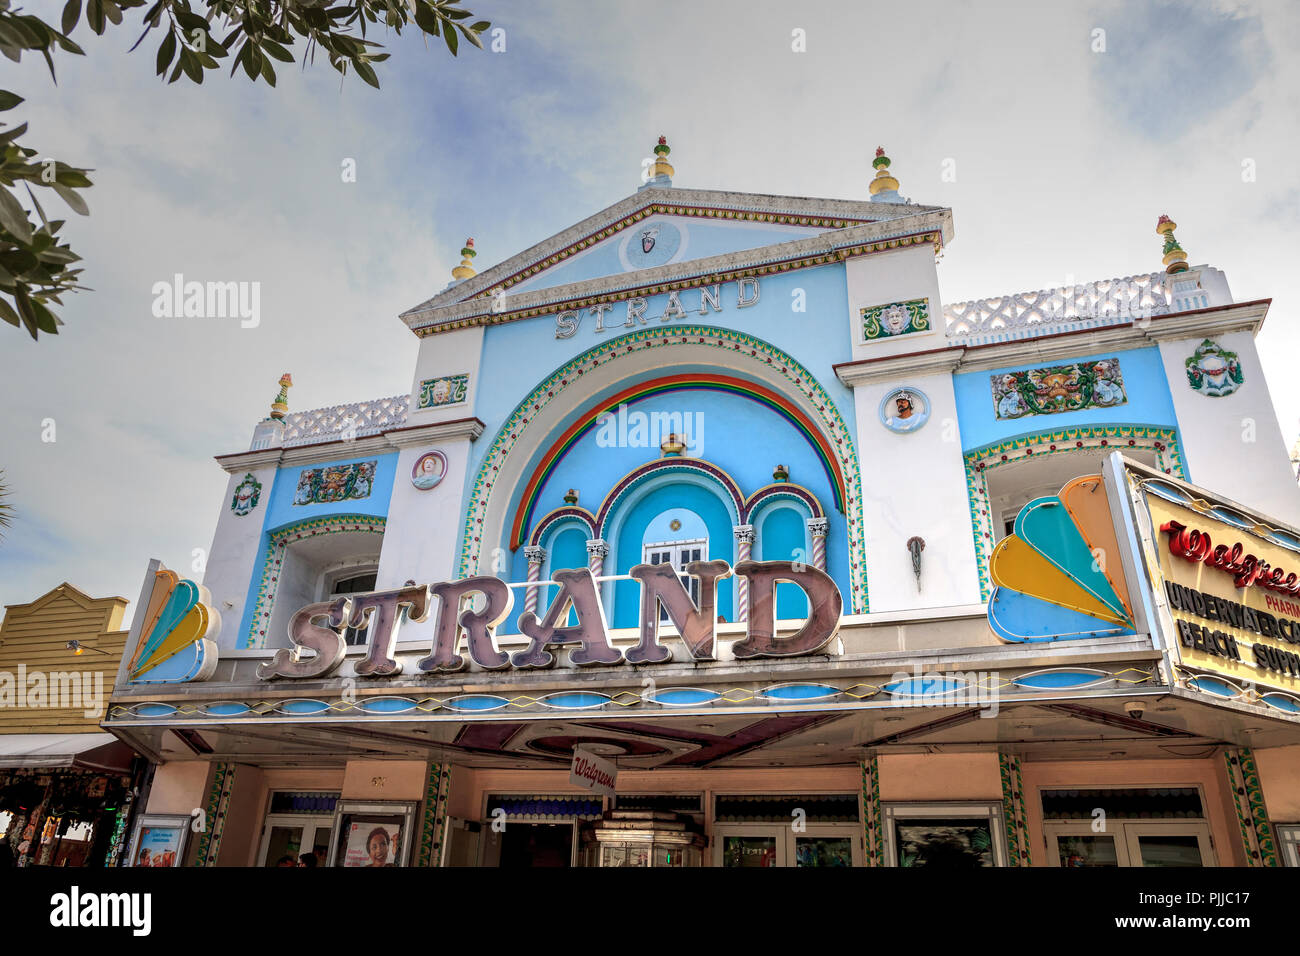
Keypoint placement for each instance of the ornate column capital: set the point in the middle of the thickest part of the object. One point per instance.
(535, 554)
(597, 548)
(744, 532)
(817, 527)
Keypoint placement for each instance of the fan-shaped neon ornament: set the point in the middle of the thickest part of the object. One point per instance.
(1058, 576)
(175, 642)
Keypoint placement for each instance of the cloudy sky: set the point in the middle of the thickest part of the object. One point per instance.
(1064, 155)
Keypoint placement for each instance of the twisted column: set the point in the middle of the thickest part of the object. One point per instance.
(744, 546)
(597, 549)
(817, 528)
(536, 556)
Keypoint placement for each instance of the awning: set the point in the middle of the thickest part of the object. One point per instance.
(95, 751)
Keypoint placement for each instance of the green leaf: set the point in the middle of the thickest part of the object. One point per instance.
(95, 16)
(45, 320)
(13, 217)
(277, 51)
(7, 313)
(268, 73)
(71, 14)
(471, 36)
(367, 73)
(450, 36)
(9, 100)
(74, 201)
(166, 50)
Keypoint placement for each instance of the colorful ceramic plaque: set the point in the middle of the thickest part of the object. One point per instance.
(429, 470)
(1058, 388)
(1213, 370)
(904, 410)
(447, 390)
(247, 494)
(896, 318)
(332, 483)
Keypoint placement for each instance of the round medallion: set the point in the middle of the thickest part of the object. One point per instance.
(904, 410)
(650, 243)
(675, 525)
(429, 470)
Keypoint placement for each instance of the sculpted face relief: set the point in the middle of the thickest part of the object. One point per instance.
(316, 628)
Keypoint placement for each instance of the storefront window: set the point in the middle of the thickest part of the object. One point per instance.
(945, 835)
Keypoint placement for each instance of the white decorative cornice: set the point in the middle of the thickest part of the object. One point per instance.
(467, 428)
(1243, 317)
(393, 440)
(888, 368)
(249, 460)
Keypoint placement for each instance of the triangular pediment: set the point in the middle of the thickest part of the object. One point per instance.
(659, 227)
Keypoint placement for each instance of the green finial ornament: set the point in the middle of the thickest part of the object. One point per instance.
(1175, 259)
(280, 407)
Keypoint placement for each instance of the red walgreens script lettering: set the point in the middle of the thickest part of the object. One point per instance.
(1192, 544)
(590, 772)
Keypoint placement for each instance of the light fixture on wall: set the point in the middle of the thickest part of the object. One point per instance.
(915, 545)
(572, 497)
(79, 648)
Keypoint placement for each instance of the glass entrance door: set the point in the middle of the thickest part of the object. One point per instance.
(761, 845)
(1172, 843)
(291, 835)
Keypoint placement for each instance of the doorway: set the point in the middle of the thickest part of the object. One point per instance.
(291, 835)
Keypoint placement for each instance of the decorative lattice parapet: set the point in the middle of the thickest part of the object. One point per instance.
(337, 422)
(1092, 305)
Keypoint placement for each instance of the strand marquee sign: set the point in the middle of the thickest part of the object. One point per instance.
(317, 629)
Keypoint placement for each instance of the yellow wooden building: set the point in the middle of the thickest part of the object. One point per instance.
(65, 785)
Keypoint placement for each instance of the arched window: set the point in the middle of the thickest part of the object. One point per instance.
(781, 534)
(677, 537)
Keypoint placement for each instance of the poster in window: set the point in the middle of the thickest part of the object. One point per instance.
(372, 842)
(159, 841)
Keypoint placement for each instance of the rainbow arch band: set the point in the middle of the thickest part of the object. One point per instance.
(175, 643)
(1059, 574)
(690, 381)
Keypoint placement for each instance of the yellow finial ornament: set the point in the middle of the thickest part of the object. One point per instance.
(662, 167)
(465, 270)
(280, 407)
(884, 182)
(1175, 259)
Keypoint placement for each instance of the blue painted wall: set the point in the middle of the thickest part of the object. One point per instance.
(781, 535)
(1149, 400)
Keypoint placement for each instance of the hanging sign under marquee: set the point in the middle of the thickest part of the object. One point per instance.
(592, 773)
(317, 629)
(640, 311)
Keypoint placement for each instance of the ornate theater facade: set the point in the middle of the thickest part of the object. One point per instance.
(708, 533)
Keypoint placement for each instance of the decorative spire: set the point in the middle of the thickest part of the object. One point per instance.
(465, 270)
(280, 406)
(884, 182)
(661, 158)
(1175, 259)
